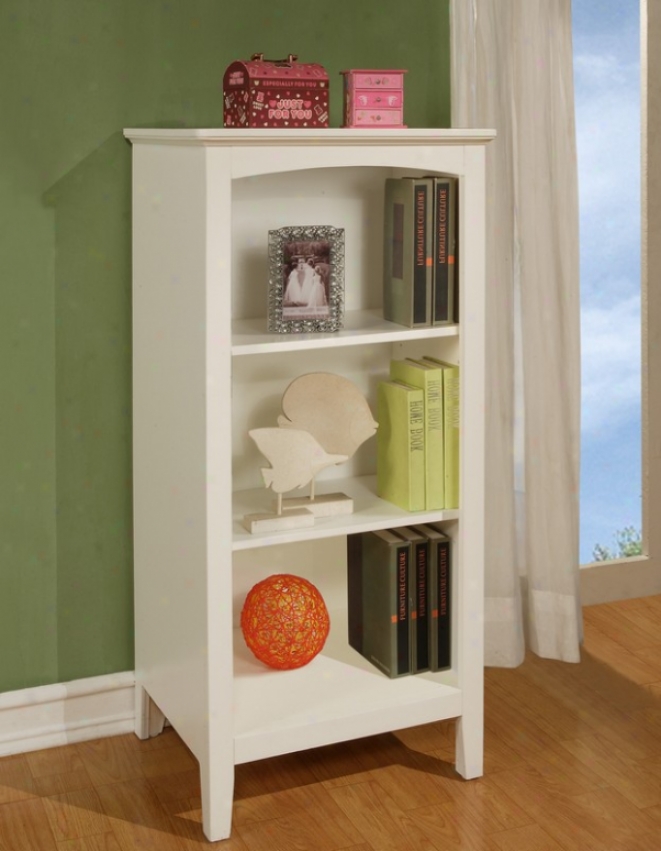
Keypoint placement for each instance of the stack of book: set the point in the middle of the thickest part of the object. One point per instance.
(399, 598)
(418, 436)
(420, 279)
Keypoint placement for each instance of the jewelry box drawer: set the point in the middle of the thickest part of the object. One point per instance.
(377, 117)
(378, 81)
(369, 99)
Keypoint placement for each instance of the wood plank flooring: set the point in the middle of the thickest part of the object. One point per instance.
(573, 763)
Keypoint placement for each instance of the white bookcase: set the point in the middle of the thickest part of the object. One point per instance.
(206, 370)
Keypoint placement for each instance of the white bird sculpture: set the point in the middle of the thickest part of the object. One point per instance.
(295, 457)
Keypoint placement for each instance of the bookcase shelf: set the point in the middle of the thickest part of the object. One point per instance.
(206, 371)
(361, 327)
(370, 513)
(338, 696)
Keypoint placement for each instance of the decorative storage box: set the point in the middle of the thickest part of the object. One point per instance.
(373, 98)
(275, 93)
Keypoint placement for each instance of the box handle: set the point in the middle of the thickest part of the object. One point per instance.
(288, 62)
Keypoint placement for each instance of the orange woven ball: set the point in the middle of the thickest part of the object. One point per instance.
(285, 621)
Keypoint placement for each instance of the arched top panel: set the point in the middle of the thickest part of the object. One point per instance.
(258, 152)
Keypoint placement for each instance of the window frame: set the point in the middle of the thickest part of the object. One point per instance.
(640, 576)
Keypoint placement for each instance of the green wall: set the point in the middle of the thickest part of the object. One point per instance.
(72, 75)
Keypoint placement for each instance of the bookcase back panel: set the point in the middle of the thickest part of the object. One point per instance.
(444, 348)
(259, 384)
(324, 563)
(321, 562)
(347, 198)
(258, 387)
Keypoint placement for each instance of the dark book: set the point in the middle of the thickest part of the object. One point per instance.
(418, 597)
(445, 280)
(440, 596)
(378, 600)
(407, 260)
(355, 590)
(454, 244)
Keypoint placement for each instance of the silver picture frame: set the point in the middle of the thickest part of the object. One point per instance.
(306, 279)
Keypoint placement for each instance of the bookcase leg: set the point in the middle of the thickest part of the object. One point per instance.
(149, 720)
(217, 782)
(469, 748)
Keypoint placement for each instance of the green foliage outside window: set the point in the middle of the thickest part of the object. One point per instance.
(628, 543)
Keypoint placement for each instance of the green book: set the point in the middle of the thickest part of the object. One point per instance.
(440, 597)
(378, 600)
(445, 296)
(451, 425)
(430, 379)
(400, 445)
(407, 256)
(419, 609)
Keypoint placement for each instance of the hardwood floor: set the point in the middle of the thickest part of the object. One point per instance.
(573, 763)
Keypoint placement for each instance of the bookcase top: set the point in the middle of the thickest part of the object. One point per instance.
(334, 136)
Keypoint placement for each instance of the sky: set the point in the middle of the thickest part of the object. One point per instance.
(606, 36)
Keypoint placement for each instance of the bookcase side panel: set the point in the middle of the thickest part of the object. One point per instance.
(169, 434)
(219, 404)
(469, 572)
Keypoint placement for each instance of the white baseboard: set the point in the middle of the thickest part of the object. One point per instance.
(63, 713)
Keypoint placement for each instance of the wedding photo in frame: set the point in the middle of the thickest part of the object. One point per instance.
(306, 279)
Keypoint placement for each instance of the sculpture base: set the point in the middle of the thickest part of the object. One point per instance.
(294, 519)
(325, 505)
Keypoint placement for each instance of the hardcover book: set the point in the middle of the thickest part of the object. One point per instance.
(355, 590)
(378, 600)
(445, 295)
(420, 620)
(440, 601)
(451, 428)
(400, 453)
(430, 380)
(407, 261)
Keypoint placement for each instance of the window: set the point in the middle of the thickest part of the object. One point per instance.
(641, 576)
(606, 36)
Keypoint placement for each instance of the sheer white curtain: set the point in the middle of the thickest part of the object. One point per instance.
(512, 71)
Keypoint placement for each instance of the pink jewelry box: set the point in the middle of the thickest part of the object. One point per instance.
(373, 98)
(275, 93)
